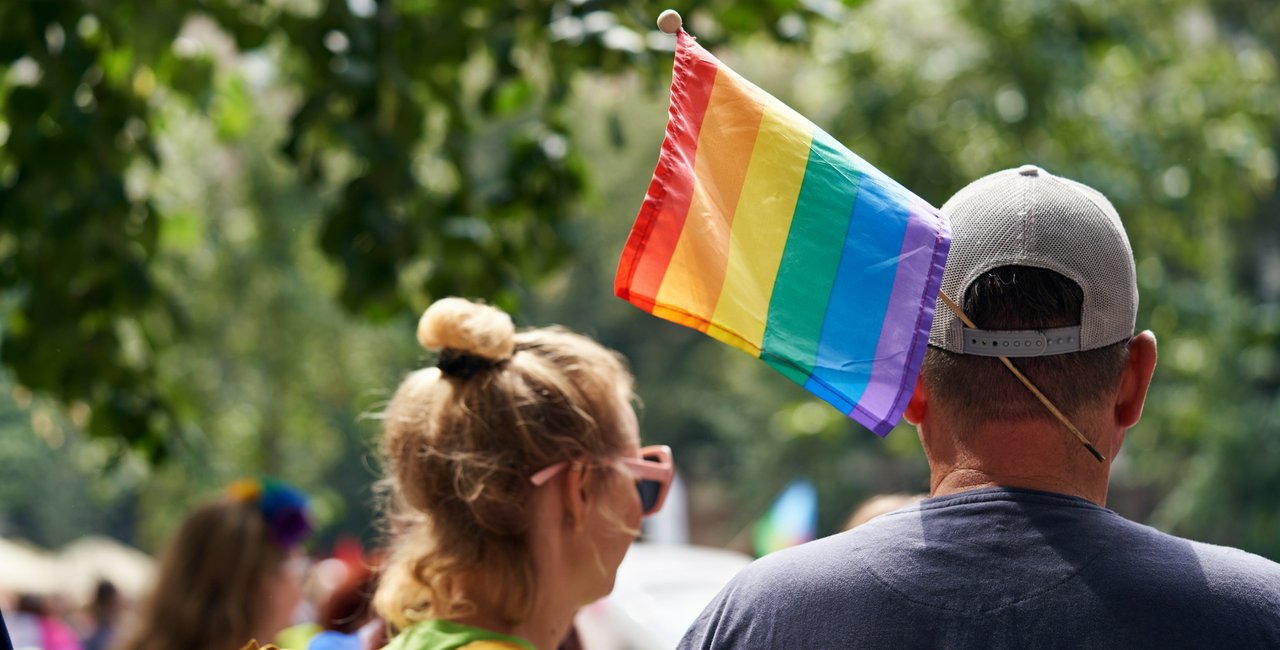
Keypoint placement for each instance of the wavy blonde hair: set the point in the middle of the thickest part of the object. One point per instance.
(459, 446)
(212, 589)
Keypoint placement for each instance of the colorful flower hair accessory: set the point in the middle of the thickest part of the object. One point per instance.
(283, 506)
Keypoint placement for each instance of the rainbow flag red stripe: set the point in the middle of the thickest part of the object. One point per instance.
(762, 231)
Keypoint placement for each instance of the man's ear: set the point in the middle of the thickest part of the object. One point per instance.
(919, 404)
(575, 495)
(1136, 379)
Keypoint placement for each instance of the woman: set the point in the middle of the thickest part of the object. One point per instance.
(233, 573)
(516, 483)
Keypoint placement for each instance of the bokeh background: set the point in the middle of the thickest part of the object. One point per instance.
(220, 220)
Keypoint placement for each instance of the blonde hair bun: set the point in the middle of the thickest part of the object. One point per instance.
(469, 327)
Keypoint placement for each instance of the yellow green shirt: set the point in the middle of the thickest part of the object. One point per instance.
(447, 635)
(298, 636)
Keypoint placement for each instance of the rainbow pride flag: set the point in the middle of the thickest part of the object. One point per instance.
(762, 231)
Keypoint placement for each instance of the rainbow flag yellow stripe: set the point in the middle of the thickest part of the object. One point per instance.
(762, 231)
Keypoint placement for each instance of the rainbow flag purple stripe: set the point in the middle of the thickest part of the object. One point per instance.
(762, 231)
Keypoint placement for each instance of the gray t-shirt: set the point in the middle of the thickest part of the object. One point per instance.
(998, 568)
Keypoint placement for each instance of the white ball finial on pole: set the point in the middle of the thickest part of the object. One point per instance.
(670, 22)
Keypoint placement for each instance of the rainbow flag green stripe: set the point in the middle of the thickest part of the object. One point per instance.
(762, 231)
(796, 317)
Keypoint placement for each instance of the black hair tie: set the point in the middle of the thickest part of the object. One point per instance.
(462, 365)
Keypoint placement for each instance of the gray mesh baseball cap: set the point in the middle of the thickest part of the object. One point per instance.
(1029, 217)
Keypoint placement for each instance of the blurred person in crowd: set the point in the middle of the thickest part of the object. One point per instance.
(233, 572)
(5, 642)
(878, 505)
(346, 617)
(104, 611)
(1015, 548)
(516, 483)
(36, 624)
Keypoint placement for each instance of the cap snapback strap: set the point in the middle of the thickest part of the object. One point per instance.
(1021, 343)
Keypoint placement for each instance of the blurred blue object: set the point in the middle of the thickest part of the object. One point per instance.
(330, 640)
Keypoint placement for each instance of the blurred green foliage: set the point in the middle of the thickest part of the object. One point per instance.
(187, 186)
(170, 172)
(436, 131)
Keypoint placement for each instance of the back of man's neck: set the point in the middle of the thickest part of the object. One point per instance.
(963, 479)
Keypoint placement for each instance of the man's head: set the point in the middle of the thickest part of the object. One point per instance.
(975, 390)
(1043, 267)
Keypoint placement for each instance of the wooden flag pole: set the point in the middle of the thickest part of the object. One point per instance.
(955, 309)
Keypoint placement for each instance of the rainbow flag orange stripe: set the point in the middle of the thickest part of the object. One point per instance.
(762, 231)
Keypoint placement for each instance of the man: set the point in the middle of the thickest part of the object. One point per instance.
(1014, 549)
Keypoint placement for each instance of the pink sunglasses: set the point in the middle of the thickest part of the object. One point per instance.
(652, 472)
